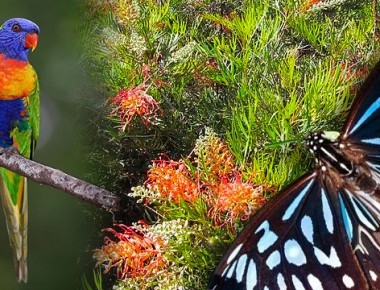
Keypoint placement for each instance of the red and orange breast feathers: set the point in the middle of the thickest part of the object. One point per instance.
(17, 79)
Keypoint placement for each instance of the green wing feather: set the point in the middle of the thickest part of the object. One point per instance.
(34, 118)
(14, 188)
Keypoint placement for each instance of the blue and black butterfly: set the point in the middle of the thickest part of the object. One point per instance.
(322, 231)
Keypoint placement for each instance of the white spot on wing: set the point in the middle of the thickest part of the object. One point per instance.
(273, 260)
(375, 141)
(327, 214)
(234, 253)
(281, 282)
(297, 283)
(314, 282)
(251, 278)
(307, 228)
(348, 282)
(294, 253)
(242, 262)
(331, 260)
(293, 206)
(268, 239)
(231, 270)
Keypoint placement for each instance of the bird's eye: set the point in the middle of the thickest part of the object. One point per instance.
(16, 28)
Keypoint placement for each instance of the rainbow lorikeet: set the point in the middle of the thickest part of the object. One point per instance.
(19, 127)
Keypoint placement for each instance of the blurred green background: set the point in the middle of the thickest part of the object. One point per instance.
(61, 229)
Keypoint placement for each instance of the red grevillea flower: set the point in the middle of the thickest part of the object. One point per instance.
(133, 102)
(213, 155)
(131, 252)
(172, 180)
(233, 198)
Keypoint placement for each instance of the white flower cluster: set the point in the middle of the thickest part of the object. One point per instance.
(112, 38)
(141, 192)
(137, 43)
(183, 53)
(204, 140)
(173, 231)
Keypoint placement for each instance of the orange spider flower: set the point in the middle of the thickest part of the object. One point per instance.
(133, 254)
(234, 199)
(172, 180)
(133, 102)
(214, 156)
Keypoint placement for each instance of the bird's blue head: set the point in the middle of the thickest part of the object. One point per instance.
(17, 37)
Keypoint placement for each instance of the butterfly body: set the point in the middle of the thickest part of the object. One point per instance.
(323, 231)
(343, 165)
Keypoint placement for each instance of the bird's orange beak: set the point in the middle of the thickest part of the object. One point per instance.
(31, 40)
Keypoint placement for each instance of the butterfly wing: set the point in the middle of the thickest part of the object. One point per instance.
(296, 242)
(363, 123)
(320, 232)
(361, 217)
(361, 208)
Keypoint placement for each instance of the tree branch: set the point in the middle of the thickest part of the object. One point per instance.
(12, 160)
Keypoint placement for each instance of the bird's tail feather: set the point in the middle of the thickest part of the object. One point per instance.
(13, 192)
